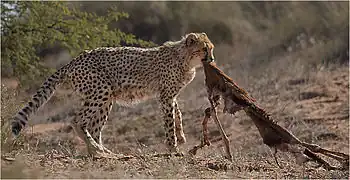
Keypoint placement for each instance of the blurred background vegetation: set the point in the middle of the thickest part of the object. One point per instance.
(40, 36)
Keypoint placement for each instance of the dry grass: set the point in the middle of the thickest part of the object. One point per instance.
(306, 105)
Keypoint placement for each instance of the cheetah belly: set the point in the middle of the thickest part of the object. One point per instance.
(132, 96)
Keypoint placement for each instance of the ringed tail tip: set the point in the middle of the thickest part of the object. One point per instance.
(16, 128)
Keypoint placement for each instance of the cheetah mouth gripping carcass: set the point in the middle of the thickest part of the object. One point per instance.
(219, 85)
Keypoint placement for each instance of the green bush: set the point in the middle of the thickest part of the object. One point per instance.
(28, 27)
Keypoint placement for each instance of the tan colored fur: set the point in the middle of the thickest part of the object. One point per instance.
(125, 75)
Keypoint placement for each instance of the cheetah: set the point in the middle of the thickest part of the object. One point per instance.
(125, 76)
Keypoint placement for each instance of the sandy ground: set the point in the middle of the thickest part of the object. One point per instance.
(314, 109)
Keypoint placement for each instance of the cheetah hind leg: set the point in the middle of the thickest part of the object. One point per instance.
(97, 150)
(116, 156)
(97, 132)
(100, 151)
(112, 154)
(94, 149)
(79, 126)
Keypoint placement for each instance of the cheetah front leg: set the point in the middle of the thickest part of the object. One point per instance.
(180, 136)
(168, 114)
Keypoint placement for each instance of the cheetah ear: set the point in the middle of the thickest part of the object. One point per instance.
(191, 39)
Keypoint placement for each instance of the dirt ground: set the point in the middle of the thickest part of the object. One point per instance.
(315, 109)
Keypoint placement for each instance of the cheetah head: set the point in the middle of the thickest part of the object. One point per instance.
(199, 48)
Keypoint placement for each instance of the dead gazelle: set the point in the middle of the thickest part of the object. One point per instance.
(219, 85)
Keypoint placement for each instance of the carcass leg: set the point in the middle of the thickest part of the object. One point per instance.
(221, 129)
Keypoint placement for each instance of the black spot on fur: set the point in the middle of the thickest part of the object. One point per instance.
(36, 100)
(30, 104)
(22, 123)
(20, 113)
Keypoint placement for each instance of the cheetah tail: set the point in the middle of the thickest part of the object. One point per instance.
(38, 99)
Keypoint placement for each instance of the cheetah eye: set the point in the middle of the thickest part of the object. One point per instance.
(206, 48)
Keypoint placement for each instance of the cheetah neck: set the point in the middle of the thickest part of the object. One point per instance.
(187, 62)
(182, 56)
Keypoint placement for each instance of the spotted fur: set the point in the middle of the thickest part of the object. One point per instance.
(125, 75)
